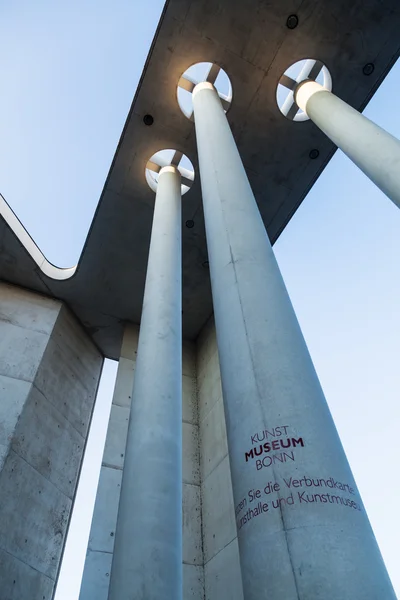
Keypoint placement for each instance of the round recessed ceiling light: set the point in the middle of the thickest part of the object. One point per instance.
(308, 69)
(199, 73)
(166, 158)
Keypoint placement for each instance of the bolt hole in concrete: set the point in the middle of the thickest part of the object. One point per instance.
(165, 158)
(292, 21)
(368, 69)
(148, 120)
(198, 73)
(308, 68)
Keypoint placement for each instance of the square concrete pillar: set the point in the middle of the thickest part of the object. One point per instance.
(49, 373)
(96, 576)
(222, 575)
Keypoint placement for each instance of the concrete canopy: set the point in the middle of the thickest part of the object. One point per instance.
(250, 40)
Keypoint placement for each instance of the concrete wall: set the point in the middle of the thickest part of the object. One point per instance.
(49, 372)
(193, 570)
(96, 576)
(221, 555)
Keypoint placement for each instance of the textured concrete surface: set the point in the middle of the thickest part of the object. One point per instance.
(192, 543)
(96, 577)
(190, 455)
(250, 40)
(193, 582)
(49, 372)
(222, 575)
(193, 560)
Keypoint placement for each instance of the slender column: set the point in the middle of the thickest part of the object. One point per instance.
(375, 151)
(302, 529)
(147, 562)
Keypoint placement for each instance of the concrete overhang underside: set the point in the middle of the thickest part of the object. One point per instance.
(250, 40)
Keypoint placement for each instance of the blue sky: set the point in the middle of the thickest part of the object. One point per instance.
(69, 71)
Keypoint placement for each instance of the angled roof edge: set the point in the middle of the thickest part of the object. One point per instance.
(31, 247)
(46, 267)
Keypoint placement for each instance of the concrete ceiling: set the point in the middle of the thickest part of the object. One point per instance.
(249, 39)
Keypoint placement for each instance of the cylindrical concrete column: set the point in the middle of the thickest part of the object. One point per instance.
(371, 148)
(147, 562)
(302, 529)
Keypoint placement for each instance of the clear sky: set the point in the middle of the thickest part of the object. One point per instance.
(68, 72)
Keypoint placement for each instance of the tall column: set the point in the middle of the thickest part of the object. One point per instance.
(147, 562)
(371, 148)
(302, 529)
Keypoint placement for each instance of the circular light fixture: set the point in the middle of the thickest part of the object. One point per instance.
(148, 120)
(166, 158)
(199, 73)
(189, 224)
(314, 153)
(292, 21)
(368, 69)
(308, 69)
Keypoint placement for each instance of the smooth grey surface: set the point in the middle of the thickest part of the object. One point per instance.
(147, 560)
(114, 450)
(223, 576)
(219, 527)
(250, 40)
(102, 532)
(96, 579)
(371, 148)
(292, 551)
(43, 352)
(214, 446)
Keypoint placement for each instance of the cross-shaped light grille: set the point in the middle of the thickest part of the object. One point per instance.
(187, 82)
(165, 158)
(310, 70)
